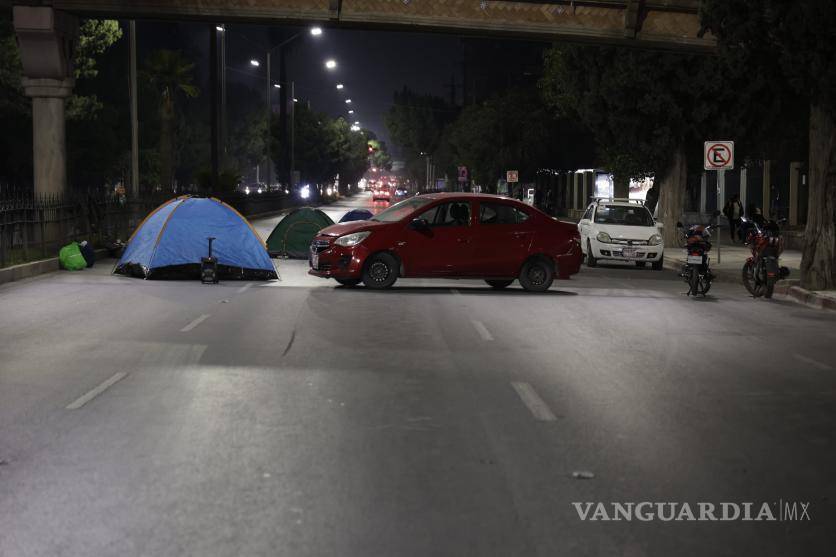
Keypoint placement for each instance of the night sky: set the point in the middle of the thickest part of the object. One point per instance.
(371, 64)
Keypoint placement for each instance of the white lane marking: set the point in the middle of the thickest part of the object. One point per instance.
(195, 323)
(482, 330)
(538, 408)
(244, 288)
(813, 362)
(90, 395)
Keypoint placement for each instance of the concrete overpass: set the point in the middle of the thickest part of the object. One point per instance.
(46, 30)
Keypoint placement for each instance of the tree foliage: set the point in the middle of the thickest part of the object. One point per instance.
(416, 123)
(95, 37)
(326, 148)
(513, 131)
(172, 76)
(799, 35)
(651, 111)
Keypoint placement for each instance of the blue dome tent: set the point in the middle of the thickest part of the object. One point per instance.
(171, 240)
(357, 214)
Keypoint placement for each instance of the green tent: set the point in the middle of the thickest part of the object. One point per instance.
(293, 235)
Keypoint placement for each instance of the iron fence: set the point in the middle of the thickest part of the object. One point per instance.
(35, 227)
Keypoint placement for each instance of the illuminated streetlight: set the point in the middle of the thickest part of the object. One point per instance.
(255, 63)
(339, 85)
(331, 64)
(348, 101)
(295, 100)
(355, 128)
(220, 28)
(277, 86)
(351, 112)
(316, 31)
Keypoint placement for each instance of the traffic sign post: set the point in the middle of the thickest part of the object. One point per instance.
(719, 155)
(512, 176)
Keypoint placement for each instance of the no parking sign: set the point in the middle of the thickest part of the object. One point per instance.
(719, 155)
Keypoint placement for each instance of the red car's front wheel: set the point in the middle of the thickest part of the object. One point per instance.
(381, 271)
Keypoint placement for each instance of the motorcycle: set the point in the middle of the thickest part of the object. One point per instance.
(762, 270)
(696, 271)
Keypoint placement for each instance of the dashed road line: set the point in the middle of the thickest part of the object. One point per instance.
(195, 323)
(813, 362)
(93, 393)
(538, 408)
(482, 330)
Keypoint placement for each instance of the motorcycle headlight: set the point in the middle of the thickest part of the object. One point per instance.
(655, 240)
(350, 240)
(604, 238)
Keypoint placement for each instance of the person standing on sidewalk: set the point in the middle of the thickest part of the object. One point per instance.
(733, 211)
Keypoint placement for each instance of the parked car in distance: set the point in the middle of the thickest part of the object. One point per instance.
(620, 230)
(381, 194)
(451, 235)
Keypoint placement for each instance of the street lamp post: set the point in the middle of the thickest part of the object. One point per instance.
(283, 102)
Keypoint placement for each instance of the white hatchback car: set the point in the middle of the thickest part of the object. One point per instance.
(620, 230)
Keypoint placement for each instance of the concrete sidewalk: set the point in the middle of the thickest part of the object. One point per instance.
(728, 265)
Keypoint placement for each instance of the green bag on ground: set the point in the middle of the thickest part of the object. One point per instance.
(71, 258)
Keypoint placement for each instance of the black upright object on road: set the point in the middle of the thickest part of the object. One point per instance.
(762, 270)
(696, 271)
(209, 266)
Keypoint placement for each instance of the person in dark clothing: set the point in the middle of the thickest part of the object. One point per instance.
(734, 212)
(652, 198)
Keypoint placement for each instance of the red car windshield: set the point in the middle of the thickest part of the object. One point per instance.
(401, 210)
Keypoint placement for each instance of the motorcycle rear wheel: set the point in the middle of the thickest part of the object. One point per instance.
(769, 288)
(694, 283)
(706, 285)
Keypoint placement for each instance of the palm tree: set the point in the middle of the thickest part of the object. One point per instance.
(172, 76)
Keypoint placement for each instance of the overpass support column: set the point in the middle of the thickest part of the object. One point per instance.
(46, 38)
(49, 149)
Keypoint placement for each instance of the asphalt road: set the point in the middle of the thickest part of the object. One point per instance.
(439, 418)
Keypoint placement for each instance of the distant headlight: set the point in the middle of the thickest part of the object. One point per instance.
(604, 238)
(350, 240)
(655, 240)
(329, 191)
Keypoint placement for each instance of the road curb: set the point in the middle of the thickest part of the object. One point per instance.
(810, 298)
(35, 268)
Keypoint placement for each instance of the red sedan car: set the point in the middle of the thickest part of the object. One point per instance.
(381, 194)
(453, 235)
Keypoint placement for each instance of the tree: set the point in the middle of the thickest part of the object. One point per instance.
(799, 35)
(379, 152)
(88, 118)
(513, 131)
(172, 76)
(644, 107)
(326, 148)
(415, 123)
(650, 112)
